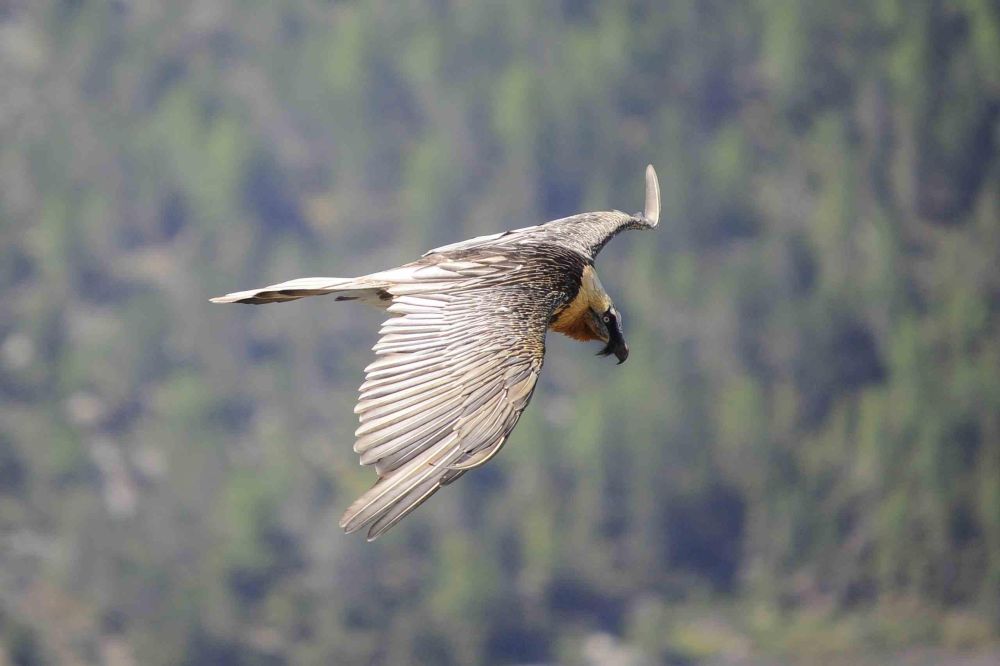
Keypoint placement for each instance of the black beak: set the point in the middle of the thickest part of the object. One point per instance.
(616, 341)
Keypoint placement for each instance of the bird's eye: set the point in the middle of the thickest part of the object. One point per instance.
(607, 319)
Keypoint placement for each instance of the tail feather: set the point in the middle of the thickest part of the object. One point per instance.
(361, 289)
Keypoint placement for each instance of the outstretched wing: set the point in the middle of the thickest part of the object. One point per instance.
(455, 369)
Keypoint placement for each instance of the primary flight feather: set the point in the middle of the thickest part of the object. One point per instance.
(458, 359)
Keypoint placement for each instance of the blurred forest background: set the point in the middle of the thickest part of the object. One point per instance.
(799, 463)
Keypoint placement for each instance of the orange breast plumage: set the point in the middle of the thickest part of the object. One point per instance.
(573, 320)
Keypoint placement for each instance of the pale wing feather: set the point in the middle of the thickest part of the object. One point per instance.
(371, 288)
(360, 289)
(451, 378)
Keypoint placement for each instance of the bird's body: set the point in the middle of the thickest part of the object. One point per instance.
(457, 361)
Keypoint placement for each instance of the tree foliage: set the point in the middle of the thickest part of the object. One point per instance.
(802, 455)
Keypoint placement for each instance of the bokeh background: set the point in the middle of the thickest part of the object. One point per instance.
(800, 463)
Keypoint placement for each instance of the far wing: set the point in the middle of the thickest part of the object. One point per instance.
(484, 241)
(455, 369)
(585, 233)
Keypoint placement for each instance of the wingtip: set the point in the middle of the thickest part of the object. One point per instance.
(652, 208)
(235, 297)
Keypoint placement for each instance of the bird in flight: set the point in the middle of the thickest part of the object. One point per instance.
(458, 358)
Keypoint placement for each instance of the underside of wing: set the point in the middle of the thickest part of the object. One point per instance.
(454, 370)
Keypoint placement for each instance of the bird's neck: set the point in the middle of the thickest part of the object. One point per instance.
(573, 319)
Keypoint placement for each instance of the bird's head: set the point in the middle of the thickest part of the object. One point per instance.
(592, 316)
(602, 317)
(606, 324)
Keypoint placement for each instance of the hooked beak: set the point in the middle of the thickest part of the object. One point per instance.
(616, 342)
